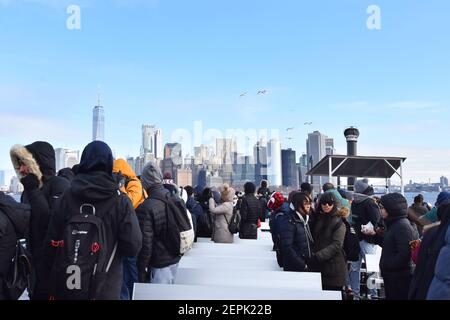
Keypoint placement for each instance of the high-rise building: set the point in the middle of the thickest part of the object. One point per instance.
(66, 158)
(444, 181)
(174, 152)
(329, 146)
(15, 186)
(316, 147)
(148, 139)
(225, 149)
(274, 172)
(159, 152)
(131, 163)
(184, 177)
(139, 165)
(98, 124)
(260, 157)
(289, 168)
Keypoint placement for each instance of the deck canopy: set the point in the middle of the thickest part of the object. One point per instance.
(358, 166)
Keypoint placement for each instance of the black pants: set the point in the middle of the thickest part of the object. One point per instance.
(397, 287)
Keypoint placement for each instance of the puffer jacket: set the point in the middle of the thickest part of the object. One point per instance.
(221, 216)
(328, 233)
(250, 211)
(14, 222)
(153, 222)
(133, 187)
(295, 244)
(365, 210)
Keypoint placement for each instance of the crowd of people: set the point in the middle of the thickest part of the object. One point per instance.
(94, 230)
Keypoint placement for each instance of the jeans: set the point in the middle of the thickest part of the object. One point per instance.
(165, 275)
(355, 268)
(130, 277)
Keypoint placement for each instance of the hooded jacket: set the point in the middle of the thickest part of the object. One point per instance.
(295, 241)
(153, 221)
(14, 221)
(39, 157)
(251, 210)
(328, 233)
(396, 255)
(133, 186)
(95, 185)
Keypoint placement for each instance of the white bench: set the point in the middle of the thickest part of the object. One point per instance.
(230, 250)
(373, 261)
(249, 278)
(230, 262)
(196, 292)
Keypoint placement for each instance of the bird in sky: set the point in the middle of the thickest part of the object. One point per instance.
(308, 123)
(243, 94)
(262, 91)
(292, 128)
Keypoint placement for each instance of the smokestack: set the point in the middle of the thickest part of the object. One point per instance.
(351, 134)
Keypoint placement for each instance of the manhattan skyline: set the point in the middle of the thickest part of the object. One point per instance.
(173, 63)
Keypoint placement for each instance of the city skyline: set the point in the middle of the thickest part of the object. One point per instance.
(173, 63)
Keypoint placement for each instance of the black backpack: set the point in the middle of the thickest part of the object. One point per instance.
(351, 241)
(235, 222)
(179, 236)
(83, 255)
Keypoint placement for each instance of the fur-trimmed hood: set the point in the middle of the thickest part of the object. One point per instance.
(39, 157)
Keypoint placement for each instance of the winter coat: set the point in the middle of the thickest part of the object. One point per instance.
(396, 254)
(250, 211)
(440, 286)
(153, 221)
(419, 209)
(133, 187)
(39, 157)
(328, 233)
(118, 216)
(196, 211)
(14, 222)
(274, 220)
(364, 210)
(67, 173)
(221, 216)
(432, 243)
(295, 244)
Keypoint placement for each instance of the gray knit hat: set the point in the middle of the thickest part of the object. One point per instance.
(361, 185)
(151, 176)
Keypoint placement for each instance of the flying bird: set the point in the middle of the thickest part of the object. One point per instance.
(292, 128)
(243, 94)
(308, 123)
(262, 91)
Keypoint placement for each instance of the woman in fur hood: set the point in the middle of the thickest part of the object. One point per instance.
(328, 233)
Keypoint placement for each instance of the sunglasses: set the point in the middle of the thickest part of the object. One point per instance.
(328, 203)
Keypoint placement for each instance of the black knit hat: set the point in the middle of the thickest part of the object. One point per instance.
(249, 188)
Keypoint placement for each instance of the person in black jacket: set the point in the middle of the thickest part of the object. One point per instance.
(156, 263)
(364, 209)
(395, 261)
(432, 242)
(264, 196)
(95, 185)
(295, 238)
(14, 222)
(35, 166)
(194, 208)
(250, 210)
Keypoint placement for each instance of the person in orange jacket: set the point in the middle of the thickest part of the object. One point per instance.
(132, 187)
(130, 184)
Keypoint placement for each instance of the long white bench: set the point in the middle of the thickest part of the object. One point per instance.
(249, 278)
(230, 262)
(373, 261)
(230, 250)
(196, 292)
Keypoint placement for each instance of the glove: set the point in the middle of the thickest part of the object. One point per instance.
(30, 182)
(143, 276)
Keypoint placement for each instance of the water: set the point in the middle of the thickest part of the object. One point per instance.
(429, 197)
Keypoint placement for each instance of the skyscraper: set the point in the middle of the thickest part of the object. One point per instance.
(260, 157)
(66, 158)
(318, 146)
(173, 151)
(274, 174)
(148, 139)
(2, 178)
(289, 168)
(159, 152)
(98, 124)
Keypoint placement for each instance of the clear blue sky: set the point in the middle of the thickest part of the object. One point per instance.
(170, 63)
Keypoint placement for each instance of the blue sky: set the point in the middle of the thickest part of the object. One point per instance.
(173, 62)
